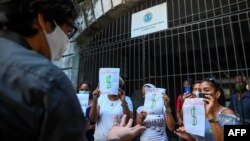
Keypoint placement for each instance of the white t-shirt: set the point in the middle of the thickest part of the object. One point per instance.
(155, 127)
(108, 109)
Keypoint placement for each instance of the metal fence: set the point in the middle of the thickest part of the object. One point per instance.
(205, 38)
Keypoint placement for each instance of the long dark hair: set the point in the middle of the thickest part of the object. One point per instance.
(222, 99)
(214, 84)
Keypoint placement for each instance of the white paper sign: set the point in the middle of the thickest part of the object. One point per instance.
(109, 80)
(84, 101)
(149, 20)
(194, 116)
(153, 103)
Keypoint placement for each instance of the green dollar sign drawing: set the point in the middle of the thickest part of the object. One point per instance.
(108, 81)
(193, 114)
(153, 98)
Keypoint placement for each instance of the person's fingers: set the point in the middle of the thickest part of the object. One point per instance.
(187, 95)
(206, 100)
(182, 128)
(96, 92)
(119, 92)
(123, 121)
(167, 98)
(130, 123)
(138, 129)
(209, 97)
(115, 120)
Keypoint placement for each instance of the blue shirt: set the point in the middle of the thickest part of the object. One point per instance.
(241, 106)
(224, 119)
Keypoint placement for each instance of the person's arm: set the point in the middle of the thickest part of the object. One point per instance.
(127, 106)
(94, 111)
(179, 117)
(126, 110)
(178, 111)
(217, 129)
(140, 117)
(169, 119)
(168, 114)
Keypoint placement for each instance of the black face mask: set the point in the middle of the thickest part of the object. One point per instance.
(202, 95)
(240, 87)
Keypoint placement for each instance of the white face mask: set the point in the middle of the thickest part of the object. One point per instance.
(196, 93)
(58, 42)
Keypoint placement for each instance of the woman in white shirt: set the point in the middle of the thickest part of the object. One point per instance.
(105, 107)
(155, 123)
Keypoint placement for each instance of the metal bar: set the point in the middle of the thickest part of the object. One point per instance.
(208, 46)
(217, 52)
(112, 5)
(232, 35)
(93, 11)
(193, 48)
(102, 7)
(160, 59)
(186, 51)
(243, 45)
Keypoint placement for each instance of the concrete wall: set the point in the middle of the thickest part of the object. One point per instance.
(70, 62)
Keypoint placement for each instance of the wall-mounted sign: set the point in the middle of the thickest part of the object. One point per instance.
(149, 20)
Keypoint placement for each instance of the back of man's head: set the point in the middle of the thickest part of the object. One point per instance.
(19, 15)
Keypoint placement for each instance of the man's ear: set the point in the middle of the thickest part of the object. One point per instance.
(41, 21)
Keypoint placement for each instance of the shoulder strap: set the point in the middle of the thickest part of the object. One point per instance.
(221, 111)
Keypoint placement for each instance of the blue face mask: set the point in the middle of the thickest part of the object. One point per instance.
(83, 92)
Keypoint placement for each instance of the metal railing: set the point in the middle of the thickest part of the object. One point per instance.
(204, 38)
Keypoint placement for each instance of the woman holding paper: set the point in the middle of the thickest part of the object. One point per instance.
(105, 107)
(216, 115)
(155, 122)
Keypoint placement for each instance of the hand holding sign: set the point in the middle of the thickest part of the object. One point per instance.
(181, 132)
(96, 93)
(209, 105)
(142, 116)
(166, 100)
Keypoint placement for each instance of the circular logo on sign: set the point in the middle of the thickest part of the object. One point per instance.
(148, 17)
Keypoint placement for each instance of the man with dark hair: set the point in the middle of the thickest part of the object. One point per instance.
(240, 100)
(37, 100)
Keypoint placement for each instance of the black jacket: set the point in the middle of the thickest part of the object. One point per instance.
(37, 100)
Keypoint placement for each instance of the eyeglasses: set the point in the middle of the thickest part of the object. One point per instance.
(73, 30)
(211, 78)
(212, 81)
